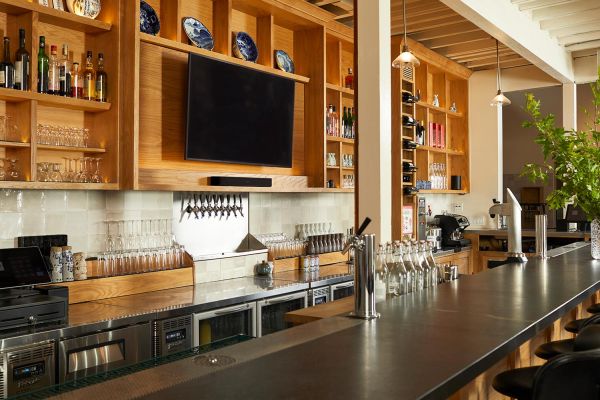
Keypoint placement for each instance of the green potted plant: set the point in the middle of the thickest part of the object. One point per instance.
(573, 157)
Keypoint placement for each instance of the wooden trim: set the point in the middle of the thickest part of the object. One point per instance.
(264, 40)
(432, 57)
(186, 48)
(222, 26)
(106, 288)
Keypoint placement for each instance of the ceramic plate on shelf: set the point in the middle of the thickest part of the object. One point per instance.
(149, 22)
(284, 62)
(244, 47)
(198, 34)
(85, 8)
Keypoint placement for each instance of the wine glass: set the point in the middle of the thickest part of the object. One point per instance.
(2, 165)
(96, 178)
(12, 170)
(55, 175)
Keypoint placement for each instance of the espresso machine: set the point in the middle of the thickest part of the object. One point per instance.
(453, 227)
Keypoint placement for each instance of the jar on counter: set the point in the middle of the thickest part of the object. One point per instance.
(80, 267)
(67, 262)
(56, 261)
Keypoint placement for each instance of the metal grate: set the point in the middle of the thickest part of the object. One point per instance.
(31, 354)
(408, 74)
(178, 323)
(3, 393)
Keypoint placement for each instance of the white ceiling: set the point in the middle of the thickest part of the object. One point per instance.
(574, 24)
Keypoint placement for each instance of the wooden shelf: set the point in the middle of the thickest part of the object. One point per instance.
(340, 89)
(438, 191)
(4, 143)
(339, 139)
(17, 96)
(70, 148)
(444, 151)
(57, 185)
(407, 137)
(49, 15)
(348, 168)
(440, 109)
(334, 167)
(186, 48)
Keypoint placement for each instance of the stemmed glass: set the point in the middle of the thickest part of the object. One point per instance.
(110, 248)
(96, 178)
(12, 170)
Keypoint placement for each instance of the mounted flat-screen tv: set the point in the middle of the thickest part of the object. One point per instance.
(238, 115)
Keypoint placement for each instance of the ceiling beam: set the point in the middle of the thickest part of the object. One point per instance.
(461, 38)
(563, 10)
(584, 46)
(428, 34)
(515, 29)
(573, 30)
(579, 38)
(571, 20)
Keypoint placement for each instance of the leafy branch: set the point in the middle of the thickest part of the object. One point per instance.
(573, 157)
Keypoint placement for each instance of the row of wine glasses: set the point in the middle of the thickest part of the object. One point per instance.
(9, 131)
(138, 246)
(62, 135)
(78, 170)
(437, 176)
(303, 231)
(9, 170)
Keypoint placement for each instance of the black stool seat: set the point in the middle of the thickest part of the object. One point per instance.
(594, 309)
(575, 325)
(550, 350)
(516, 383)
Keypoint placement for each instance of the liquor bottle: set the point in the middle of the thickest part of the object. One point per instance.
(22, 64)
(408, 144)
(89, 78)
(53, 79)
(336, 123)
(420, 132)
(411, 272)
(43, 61)
(345, 124)
(328, 120)
(354, 124)
(101, 80)
(349, 80)
(7, 69)
(76, 82)
(64, 73)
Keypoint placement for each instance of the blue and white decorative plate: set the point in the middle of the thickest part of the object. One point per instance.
(198, 33)
(284, 62)
(149, 22)
(244, 47)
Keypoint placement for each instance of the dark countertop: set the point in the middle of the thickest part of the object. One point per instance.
(552, 233)
(426, 345)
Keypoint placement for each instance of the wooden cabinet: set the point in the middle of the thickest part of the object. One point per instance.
(153, 121)
(28, 109)
(435, 77)
(463, 259)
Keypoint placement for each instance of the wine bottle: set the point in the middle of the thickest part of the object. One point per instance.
(408, 144)
(89, 78)
(409, 98)
(410, 190)
(354, 124)
(76, 82)
(43, 61)
(101, 80)
(409, 121)
(406, 178)
(336, 123)
(7, 68)
(408, 167)
(22, 64)
(64, 73)
(53, 78)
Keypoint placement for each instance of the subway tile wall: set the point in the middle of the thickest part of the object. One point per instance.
(281, 212)
(81, 214)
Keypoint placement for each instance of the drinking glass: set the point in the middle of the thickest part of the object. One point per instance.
(55, 175)
(2, 165)
(12, 171)
(96, 178)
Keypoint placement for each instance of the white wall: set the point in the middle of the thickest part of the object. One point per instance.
(81, 214)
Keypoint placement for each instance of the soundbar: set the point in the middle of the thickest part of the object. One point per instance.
(239, 181)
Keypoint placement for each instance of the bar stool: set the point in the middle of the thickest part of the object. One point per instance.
(584, 341)
(519, 383)
(576, 325)
(594, 308)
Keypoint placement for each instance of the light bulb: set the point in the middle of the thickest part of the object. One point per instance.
(500, 100)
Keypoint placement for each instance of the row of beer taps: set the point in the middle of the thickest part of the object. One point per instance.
(212, 205)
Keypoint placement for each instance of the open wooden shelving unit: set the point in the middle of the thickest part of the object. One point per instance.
(154, 99)
(29, 108)
(449, 80)
(339, 57)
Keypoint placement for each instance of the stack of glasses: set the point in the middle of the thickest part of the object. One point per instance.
(86, 170)
(138, 246)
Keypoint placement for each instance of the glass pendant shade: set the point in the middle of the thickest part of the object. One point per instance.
(500, 100)
(405, 59)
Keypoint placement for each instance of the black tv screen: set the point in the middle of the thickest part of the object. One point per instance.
(238, 115)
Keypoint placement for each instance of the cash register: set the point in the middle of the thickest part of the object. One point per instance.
(21, 303)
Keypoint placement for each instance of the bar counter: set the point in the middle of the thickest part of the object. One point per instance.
(425, 345)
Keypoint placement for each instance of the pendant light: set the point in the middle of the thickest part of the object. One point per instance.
(406, 59)
(500, 100)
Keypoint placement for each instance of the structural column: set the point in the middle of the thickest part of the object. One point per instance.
(374, 116)
(569, 105)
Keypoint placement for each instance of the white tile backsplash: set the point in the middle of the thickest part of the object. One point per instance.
(81, 215)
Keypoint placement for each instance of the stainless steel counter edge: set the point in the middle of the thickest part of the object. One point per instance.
(54, 332)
